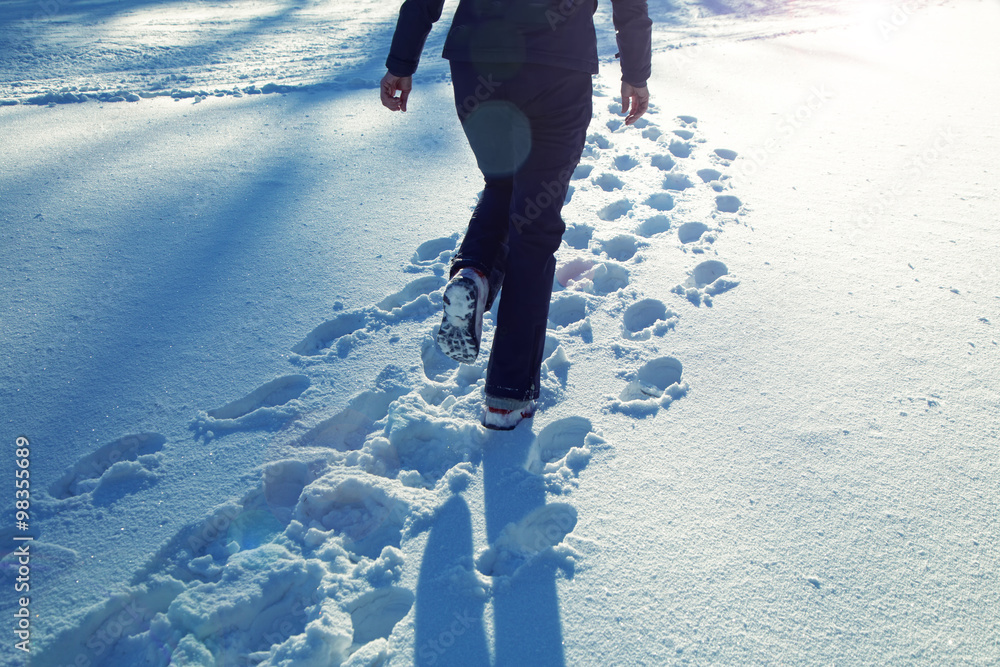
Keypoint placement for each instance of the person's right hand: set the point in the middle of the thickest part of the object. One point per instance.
(390, 84)
(635, 102)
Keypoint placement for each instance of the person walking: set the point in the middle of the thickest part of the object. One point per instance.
(522, 76)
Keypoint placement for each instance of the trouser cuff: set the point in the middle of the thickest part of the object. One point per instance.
(502, 403)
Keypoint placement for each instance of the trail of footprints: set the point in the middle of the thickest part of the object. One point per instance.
(315, 547)
(657, 191)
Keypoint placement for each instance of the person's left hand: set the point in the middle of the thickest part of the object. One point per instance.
(635, 102)
(390, 84)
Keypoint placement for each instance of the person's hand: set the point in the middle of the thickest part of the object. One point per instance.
(635, 102)
(390, 84)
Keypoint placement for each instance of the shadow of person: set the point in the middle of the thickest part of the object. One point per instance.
(449, 620)
(527, 627)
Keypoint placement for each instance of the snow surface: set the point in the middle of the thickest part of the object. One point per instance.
(768, 426)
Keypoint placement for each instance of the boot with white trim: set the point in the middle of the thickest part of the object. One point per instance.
(508, 417)
(462, 326)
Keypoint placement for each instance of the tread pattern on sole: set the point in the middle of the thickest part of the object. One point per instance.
(458, 336)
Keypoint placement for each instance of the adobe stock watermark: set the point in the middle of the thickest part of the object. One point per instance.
(483, 92)
(682, 55)
(914, 168)
(22, 504)
(553, 530)
(900, 14)
(293, 620)
(552, 192)
(432, 649)
(790, 123)
(126, 617)
(212, 529)
(562, 12)
(47, 9)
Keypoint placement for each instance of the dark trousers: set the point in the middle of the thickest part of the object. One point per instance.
(527, 125)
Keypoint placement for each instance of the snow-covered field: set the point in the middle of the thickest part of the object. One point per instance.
(768, 428)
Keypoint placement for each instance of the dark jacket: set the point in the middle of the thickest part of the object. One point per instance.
(545, 32)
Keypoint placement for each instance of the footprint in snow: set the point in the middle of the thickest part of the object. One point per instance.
(348, 429)
(726, 154)
(418, 299)
(123, 466)
(676, 182)
(714, 178)
(663, 162)
(274, 393)
(376, 613)
(578, 236)
(413, 299)
(656, 384)
(620, 248)
(599, 140)
(625, 162)
(608, 182)
(728, 203)
(576, 269)
(535, 536)
(608, 277)
(709, 175)
(652, 133)
(435, 251)
(691, 233)
(646, 318)
(438, 367)
(582, 171)
(340, 328)
(615, 210)
(568, 315)
(688, 120)
(594, 277)
(684, 134)
(567, 309)
(653, 225)
(706, 280)
(263, 408)
(661, 201)
(561, 451)
(679, 148)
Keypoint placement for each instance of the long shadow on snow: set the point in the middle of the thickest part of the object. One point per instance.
(199, 53)
(196, 54)
(82, 11)
(449, 627)
(159, 304)
(231, 227)
(527, 627)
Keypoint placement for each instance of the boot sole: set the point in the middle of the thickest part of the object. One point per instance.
(457, 336)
